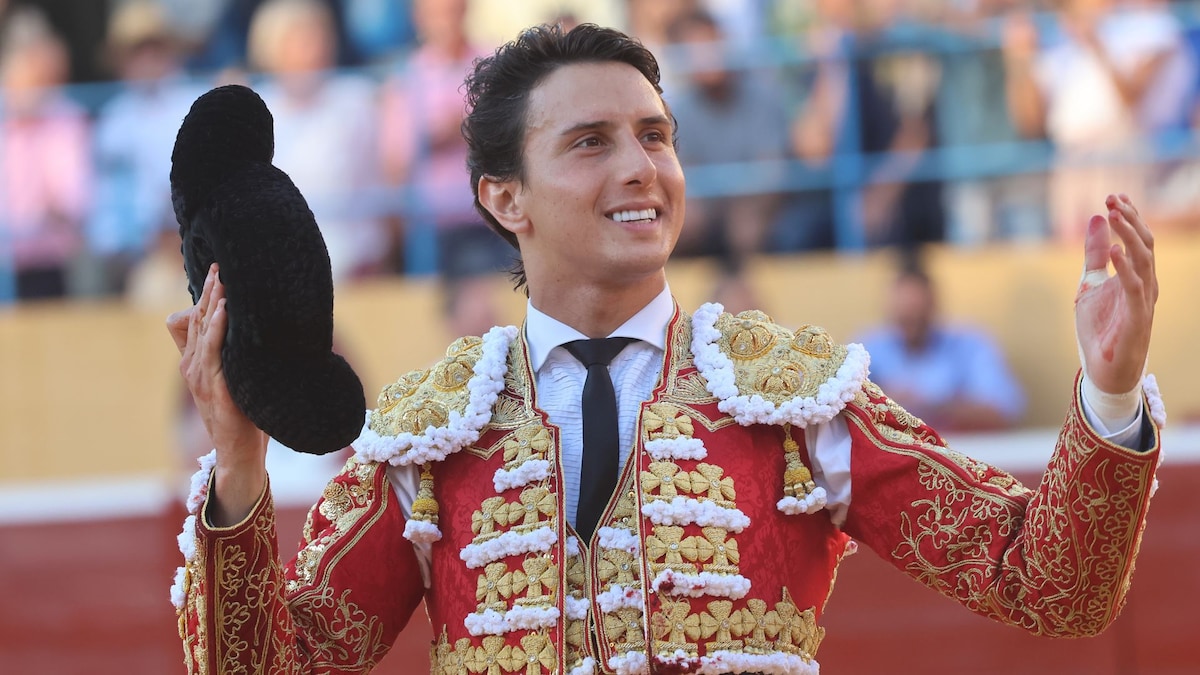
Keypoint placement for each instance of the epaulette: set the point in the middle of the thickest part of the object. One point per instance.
(429, 414)
(764, 373)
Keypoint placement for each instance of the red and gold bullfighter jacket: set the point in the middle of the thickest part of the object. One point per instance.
(715, 554)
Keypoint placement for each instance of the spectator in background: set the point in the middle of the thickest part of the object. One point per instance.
(727, 117)
(982, 208)
(45, 167)
(650, 21)
(227, 44)
(896, 94)
(325, 130)
(424, 151)
(953, 377)
(871, 97)
(816, 131)
(135, 132)
(1113, 73)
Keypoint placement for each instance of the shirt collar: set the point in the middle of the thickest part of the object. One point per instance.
(544, 333)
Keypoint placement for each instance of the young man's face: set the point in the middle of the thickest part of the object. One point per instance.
(602, 198)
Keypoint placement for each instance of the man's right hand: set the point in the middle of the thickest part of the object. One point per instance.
(241, 468)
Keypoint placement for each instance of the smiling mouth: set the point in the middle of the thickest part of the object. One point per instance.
(634, 216)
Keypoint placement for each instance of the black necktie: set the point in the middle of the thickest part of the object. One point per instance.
(598, 474)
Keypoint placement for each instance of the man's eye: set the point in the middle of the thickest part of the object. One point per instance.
(655, 137)
(591, 142)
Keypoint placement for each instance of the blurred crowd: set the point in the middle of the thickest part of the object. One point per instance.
(804, 125)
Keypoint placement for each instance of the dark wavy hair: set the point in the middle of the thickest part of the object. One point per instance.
(498, 98)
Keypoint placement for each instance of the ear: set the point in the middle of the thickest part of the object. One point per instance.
(502, 200)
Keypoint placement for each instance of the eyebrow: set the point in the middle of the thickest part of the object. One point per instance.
(652, 120)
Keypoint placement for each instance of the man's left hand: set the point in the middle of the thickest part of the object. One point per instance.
(1114, 314)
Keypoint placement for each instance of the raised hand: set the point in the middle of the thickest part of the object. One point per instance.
(1114, 314)
(199, 333)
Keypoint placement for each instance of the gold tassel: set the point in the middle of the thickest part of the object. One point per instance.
(425, 507)
(797, 479)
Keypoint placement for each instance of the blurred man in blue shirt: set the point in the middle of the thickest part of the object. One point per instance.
(953, 377)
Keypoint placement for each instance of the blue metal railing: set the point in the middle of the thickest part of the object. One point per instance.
(846, 173)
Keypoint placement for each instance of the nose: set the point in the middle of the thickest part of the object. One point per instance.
(637, 166)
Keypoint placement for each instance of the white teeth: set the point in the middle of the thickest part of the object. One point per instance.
(630, 216)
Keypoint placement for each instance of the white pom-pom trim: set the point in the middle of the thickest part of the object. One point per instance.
(618, 538)
(1158, 411)
(491, 622)
(529, 471)
(421, 532)
(197, 493)
(621, 597)
(577, 608)
(630, 663)
(199, 483)
(187, 538)
(663, 449)
(179, 588)
(509, 543)
(689, 511)
(719, 662)
(717, 369)
(462, 429)
(732, 586)
(573, 546)
(813, 502)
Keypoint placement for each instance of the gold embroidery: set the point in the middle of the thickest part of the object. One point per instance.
(509, 412)
(692, 389)
(489, 657)
(406, 386)
(775, 363)
(539, 576)
(749, 338)
(813, 341)
(535, 502)
(343, 503)
(708, 481)
(495, 581)
(1064, 585)
(665, 480)
(664, 550)
(454, 371)
(493, 512)
(616, 567)
(529, 442)
(664, 420)
(535, 655)
(421, 399)
(716, 621)
(669, 626)
(624, 630)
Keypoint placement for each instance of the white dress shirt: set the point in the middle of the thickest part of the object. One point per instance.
(558, 383)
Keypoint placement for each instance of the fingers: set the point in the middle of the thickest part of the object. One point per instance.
(1125, 221)
(1096, 245)
(192, 337)
(204, 305)
(214, 337)
(177, 326)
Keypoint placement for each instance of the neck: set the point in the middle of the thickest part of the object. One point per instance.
(595, 311)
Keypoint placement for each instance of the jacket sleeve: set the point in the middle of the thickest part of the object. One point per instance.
(1055, 561)
(336, 608)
